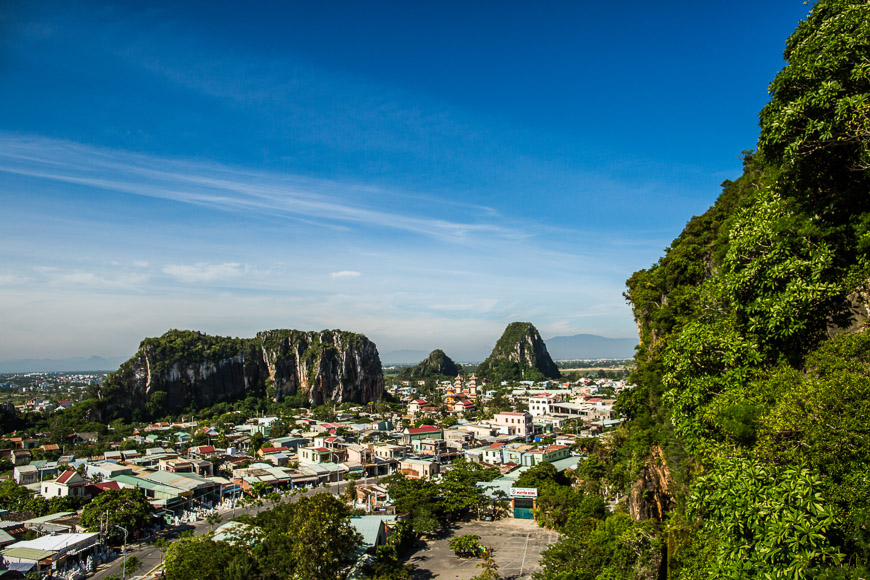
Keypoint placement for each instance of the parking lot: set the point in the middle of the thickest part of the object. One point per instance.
(516, 544)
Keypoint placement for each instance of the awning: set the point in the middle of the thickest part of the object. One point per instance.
(81, 548)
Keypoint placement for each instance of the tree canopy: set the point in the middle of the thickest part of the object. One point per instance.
(128, 508)
(752, 370)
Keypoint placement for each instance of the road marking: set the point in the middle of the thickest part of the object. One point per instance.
(525, 547)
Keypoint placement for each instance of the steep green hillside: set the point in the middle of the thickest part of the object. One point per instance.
(435, 366)
(520, 354)
(748, 440)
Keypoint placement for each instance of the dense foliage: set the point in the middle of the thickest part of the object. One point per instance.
(435, 366)
(203, 558)
(311, 539)
(17, 498)
(753, 371)
(593, 542)
(520, 354)
(128, 508)
(429, 504)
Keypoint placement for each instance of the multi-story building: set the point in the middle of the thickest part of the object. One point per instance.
(514, 423)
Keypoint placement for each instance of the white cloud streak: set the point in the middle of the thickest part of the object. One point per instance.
(345, 275)
(203, 272)
(319, 201)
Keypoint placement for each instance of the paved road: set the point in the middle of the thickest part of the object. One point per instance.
(151, 557)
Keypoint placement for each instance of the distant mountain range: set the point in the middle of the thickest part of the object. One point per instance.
(577, 347)
(49, 365)
(586, 346)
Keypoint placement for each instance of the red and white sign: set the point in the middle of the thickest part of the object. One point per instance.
(524, 492)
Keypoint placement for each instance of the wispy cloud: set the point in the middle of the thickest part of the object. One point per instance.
(109, 280)
(12, 279)
(317, 201)
(203, 272)
(345, 275)
(466, 305)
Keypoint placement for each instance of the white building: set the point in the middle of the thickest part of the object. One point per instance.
(514, 423)
(69, 483)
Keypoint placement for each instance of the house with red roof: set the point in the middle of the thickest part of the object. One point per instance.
(463, 406)
(68, 483)
(203, 450)
(263, 451)
(411, 434)
(315, 455)
(417, 406)
(95, 489)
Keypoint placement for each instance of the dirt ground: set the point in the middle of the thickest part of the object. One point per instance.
(516, 544)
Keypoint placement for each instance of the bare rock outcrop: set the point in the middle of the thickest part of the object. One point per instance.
(651, 494)
(189, 370)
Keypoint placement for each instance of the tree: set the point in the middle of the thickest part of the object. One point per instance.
(614, 549)
(257, 441)
(541, 475)
(465, 546)
(202, 558)
(461, 495)
(769, 521)
(13, 496)
(311, 539)
(261, 489)
(161, 544)
(489, 569)
(214, 519)
(131, 565)
(419, 498)
(817, 124)
(127, 507)
(557, 503)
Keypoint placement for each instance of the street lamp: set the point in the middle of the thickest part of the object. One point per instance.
(124, 567)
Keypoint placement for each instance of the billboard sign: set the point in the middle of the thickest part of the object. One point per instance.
(524, 492)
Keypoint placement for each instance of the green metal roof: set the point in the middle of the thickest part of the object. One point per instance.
(32, 554)
(49, 518)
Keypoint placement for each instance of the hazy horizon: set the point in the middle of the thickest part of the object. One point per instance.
(117, 359)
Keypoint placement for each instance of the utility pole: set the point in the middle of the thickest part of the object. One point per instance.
(124, 566)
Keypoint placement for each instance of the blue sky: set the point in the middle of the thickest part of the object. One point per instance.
(421, 173)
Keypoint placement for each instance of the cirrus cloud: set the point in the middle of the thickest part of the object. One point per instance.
(204, 272)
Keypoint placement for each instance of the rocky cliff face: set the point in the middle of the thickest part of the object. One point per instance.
(436, 365)
(327, 365)
(184, 369)
(519, 354)
(651, 494)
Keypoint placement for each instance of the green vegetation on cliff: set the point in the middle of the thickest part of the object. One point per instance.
(435, 366)
(520, 354)
(753, 371)
(185, 371)
(191, 347)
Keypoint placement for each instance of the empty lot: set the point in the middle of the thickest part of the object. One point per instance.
(517, 546)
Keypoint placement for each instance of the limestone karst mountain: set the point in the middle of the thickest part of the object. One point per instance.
(520, 354)
(436, 365)
(185, 369)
